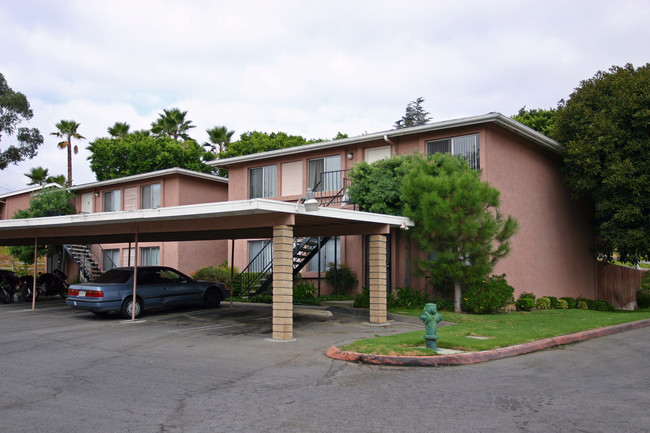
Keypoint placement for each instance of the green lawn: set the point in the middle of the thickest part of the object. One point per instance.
(505, 329)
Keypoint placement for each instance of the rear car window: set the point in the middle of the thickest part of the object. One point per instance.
(114, 276)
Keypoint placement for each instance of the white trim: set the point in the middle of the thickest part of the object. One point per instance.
(496, 118)
(150, 175)
(204, 210)
(32, 189)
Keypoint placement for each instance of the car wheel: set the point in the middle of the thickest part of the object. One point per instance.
(127, 306)
(211, 298)
(63, 291)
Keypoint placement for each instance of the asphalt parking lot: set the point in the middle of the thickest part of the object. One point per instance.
(196, 370)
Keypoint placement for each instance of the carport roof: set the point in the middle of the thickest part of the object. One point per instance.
(243, 219)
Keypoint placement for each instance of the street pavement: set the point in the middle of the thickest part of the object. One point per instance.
(197, 370)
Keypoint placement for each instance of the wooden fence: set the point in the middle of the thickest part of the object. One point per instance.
(618, 285)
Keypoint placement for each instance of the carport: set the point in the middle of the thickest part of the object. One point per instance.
(244, 219)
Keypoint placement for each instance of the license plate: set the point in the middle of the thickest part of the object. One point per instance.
(82, 293)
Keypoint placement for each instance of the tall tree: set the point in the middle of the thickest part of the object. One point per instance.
(540, 119)
(415, 115)
(67, 129)
(37, 175)
(112, 158)
(457, 220)
(119, 129)
(254, 142)
(14, 109)
(172, 123)
(219, 137)
(605, 128)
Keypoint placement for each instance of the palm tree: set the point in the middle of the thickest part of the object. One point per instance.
(219, 138)
(60, 179)
(37, 176)
(172, 123)
(119, 129)
(68, 129)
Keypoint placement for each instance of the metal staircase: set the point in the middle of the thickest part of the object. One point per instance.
(89, 265)
(256, 278)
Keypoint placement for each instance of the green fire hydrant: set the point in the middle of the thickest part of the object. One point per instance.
(431, 318)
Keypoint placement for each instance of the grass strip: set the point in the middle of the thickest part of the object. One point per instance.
(502, 330)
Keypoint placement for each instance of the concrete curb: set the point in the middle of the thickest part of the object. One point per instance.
(486, 355)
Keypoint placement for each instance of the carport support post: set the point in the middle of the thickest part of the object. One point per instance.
(377, 281)
(35, 270)
(282, 282)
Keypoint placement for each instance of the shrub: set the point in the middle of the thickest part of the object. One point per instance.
(601, 305)
(304, 290)
(410, 298)
(643, 294)
(362, 300)
(487, 296)
(571, 302)
(443, 303)
(221, 273)
(582, 305)
(553, 300)
(526, 302)
(562, 304)
(346, 279)
(589, 302)
(543, 303)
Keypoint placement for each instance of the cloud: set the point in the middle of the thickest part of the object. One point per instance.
(308, 68)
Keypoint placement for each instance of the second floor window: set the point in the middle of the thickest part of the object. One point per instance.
(466, 145)
(112, 201)
(150, 197)
(263, 182)
(325, 173)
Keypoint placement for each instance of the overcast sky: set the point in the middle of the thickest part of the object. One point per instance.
(310, 68)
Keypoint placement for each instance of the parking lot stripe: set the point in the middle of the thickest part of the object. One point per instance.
(201, 328)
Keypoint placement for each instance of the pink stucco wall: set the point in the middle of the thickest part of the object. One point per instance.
(550, 253)
(12, 204)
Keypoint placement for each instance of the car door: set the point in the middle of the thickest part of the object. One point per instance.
(149, 288)
(178, 289)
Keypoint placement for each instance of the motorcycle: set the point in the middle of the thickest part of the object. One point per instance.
(47, 284)
(8, 286)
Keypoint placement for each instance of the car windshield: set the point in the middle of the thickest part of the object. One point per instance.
(114, 276)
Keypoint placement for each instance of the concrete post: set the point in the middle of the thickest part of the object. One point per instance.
(377, 281)
(282, 282)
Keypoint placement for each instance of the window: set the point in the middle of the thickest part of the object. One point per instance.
(112, 201)
(377, 153)
(260, 255)
(111, 259)
(262, 181)
(326, 255)
(466, 145)
(150, 197)
(150, 256)
(325, 173)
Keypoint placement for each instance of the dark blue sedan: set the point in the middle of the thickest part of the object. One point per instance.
(157, 287)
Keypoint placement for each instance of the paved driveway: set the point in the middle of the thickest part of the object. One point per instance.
(196, 370)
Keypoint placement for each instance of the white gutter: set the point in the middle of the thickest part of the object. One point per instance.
(495, 118)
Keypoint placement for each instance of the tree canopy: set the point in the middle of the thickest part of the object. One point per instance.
(41, 204)
(377, 187)
(415, 115)
(172, 123)
(113, 158)
(539, 119)
(14, 109)
(255, 141)
(605, 128)
(457, 220)
(219, 137)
